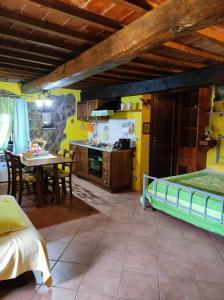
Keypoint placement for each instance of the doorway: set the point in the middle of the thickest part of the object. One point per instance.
(163, 145)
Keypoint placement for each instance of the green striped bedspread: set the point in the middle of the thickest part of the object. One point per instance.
(205, 181)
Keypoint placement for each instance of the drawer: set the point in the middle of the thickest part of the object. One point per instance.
(106, 166)
(106, 178)
(106, 156)
(106, 160)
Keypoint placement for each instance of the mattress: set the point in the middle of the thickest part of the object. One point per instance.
(176, 195)
(23, 250)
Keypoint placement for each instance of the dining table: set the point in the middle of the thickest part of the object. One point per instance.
(39, 163)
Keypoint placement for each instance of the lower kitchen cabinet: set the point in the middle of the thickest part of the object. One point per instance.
(120, 173)
(116, 168)
(81, 161)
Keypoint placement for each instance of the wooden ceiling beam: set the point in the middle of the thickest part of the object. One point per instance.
(128, 70)
(34, 72)
(11, 69)
(146, 65)
(13, 78)
(211, 34)
(38, 52)
(140, 3)
(47, 27)
(15, 75)
(130, 5)
(36, 39)
(27, 57)
(116, 74)
(188, 79)
(151, 30)
(170, 60)
(208, 33)
(88, 17)
(129, 67)
(27, 64)
(194, 51)
(102, 79)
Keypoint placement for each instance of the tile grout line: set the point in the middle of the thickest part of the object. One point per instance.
(91, 259)
(65, 247)
(157, 251)
(188, 253)
(217, 249)
(125, 256)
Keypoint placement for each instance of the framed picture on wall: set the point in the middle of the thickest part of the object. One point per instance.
(146, 128)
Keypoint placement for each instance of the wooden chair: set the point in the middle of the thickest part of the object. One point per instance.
(9, 169)
(20, 180)
(64, 173)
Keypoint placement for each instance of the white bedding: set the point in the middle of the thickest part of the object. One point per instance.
(23, 250)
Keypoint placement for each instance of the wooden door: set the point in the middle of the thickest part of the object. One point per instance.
(163, 137)
(81, 161)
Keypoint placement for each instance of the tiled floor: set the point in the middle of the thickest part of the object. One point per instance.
(103, 246)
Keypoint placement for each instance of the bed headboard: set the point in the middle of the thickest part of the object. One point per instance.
(219, 139)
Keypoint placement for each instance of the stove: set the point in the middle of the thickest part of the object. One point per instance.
(100, 145)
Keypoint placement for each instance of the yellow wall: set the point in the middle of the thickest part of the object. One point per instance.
(217, 124)
(74, 130)
(141, 160)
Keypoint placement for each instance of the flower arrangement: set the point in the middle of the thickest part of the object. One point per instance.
(38, 142)
(36, 149)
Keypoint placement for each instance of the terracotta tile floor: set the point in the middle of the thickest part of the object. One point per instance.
(103, 246)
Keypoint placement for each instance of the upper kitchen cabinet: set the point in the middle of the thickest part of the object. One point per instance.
(94, 104)
(82, 111)
(84, 108)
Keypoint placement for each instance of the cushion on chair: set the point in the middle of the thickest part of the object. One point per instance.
(61, 173)
(27, 177)
(11, 218)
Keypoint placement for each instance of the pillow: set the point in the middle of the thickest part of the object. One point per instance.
(217, 167)
(11, 219)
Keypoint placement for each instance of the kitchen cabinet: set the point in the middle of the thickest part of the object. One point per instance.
(116, 168)
(93, 104)
(121, 170)
(82, 111)
(81, 161)
(84, 108)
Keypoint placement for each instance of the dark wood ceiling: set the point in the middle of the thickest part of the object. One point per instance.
(36, 36)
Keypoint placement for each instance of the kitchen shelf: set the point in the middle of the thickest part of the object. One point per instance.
(207, 144)
(216, 113)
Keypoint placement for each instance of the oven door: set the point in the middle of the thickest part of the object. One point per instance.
(95, 162)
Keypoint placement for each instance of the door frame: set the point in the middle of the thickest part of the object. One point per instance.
(175, 130)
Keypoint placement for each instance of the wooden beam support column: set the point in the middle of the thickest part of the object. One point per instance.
(153, 29)
(188, 79)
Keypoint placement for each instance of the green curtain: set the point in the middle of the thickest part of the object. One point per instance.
(6, 119)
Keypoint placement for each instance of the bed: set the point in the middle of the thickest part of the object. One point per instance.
(197, 198)
(23, 250)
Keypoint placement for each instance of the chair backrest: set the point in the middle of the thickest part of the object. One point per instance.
(70, 154)
(16, 166)
(8, 163)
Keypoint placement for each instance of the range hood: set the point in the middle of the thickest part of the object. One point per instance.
(102, 113)
(106, 109)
